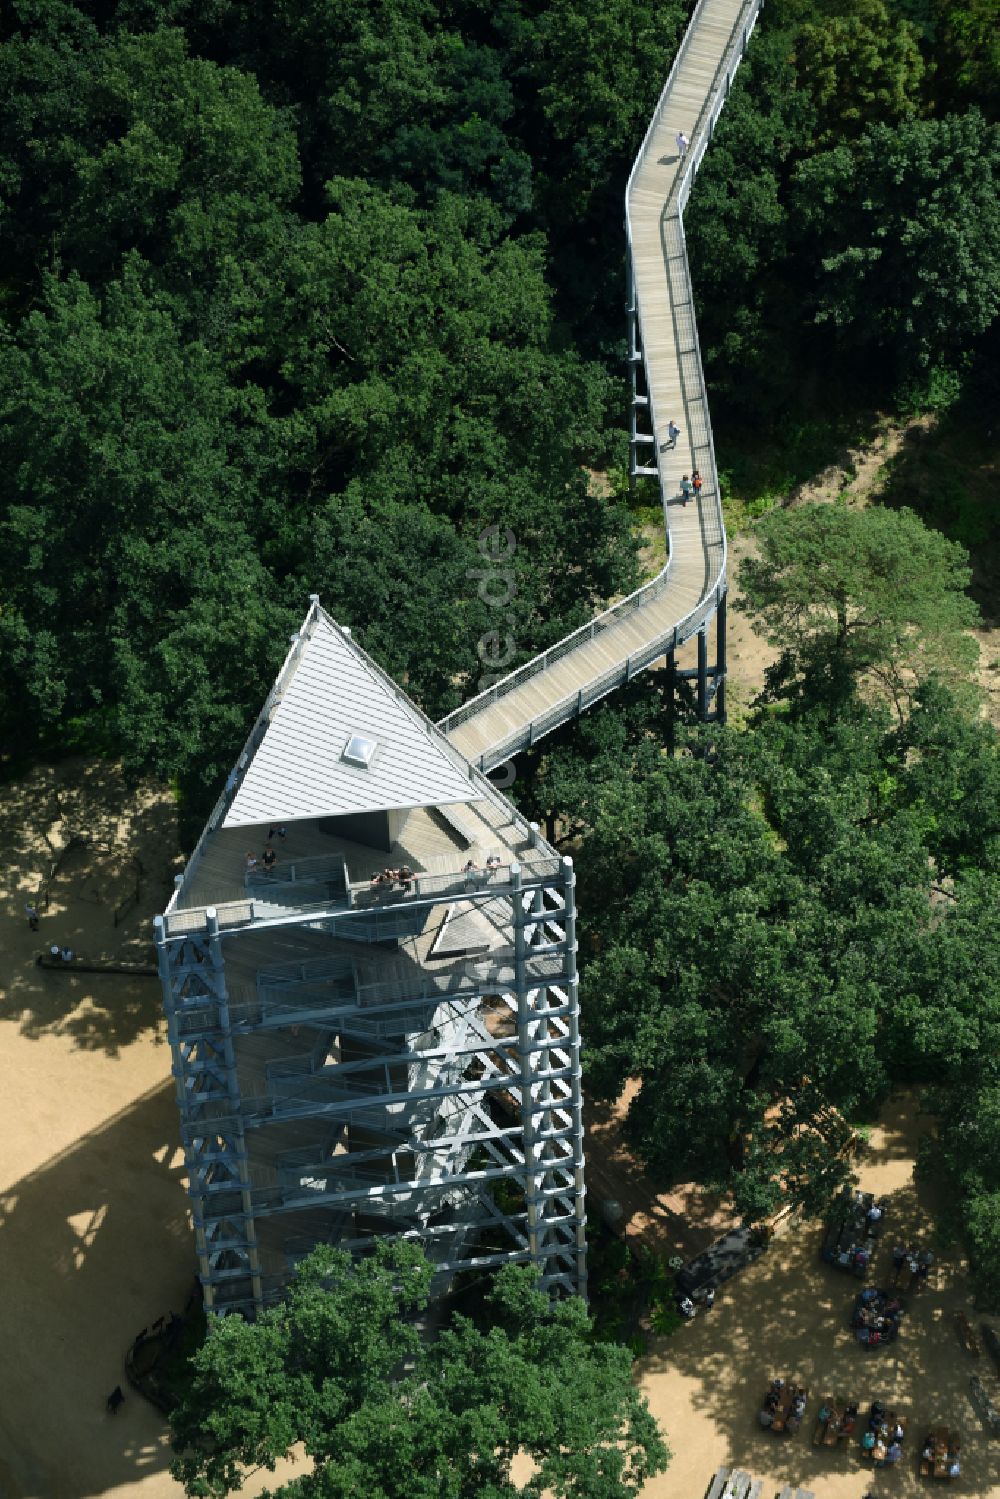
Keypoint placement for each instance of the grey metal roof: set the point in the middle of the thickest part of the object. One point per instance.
(329, 692)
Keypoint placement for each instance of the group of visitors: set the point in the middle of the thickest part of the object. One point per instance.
(267, 860)
(784, 1406)
(691, 484)
(876, 1317)
(61, 954)
(911, 1263)
(941, 1455)
(390, 878)
(688, 1306)
(882, 1441)
(491, 866)
(833, 1424)
(851, 1234)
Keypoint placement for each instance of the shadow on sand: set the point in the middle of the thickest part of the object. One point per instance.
(95, 1244)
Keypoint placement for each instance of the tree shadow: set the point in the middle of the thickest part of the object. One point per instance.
(948, 471)
(95, 1244)
(96, 858)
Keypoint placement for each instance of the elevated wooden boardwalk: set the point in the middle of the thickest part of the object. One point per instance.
(682, 599)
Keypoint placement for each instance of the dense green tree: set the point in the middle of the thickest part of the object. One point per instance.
(847, 594)
(794, 928)
(111, 145)
(126, 507)
(860, 62)
(909, 223)
(325, 1369)
(966, 39)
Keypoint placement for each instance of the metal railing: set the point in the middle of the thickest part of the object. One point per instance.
(693, 385)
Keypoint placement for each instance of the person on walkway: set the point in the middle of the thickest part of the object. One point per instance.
(276, 831)
(673, 432)
(696, 483)
(55, 952)
(115, 1400)
(251, 861)
(686, 1307)
(685, 490)
(270, 859)
(67, 955)
(32, 914)
(682, 144)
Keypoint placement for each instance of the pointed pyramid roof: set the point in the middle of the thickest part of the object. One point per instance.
(337, 736)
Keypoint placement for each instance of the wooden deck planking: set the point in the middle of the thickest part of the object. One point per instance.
(695, 551)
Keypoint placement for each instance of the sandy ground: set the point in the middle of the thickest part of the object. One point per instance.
(788, 1315)
(95, 1237)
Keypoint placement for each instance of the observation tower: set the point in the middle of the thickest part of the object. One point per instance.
(375, 1033)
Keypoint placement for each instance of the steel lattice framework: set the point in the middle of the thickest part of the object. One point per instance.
(361, 1089)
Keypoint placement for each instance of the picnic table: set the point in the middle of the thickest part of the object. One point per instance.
(828, 1428)
(947, 1446)
(784, 1420)
(984, 1404)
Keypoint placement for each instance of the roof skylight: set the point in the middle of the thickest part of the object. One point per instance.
(359, 750)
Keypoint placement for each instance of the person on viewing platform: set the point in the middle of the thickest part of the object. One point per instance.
(696, 483)
(682, 144)
(673, 432)
(685, 490)
(270, 858)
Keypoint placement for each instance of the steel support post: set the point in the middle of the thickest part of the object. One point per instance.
(232, 1083)
(576, 1096)
(525, 1068)
(720, 660)
(702, 674)
(671, 674)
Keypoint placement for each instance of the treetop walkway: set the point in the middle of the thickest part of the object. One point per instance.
(667, 385)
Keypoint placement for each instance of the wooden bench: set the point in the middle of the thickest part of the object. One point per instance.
(461, 823)
(718, 1485)
(984, 1404)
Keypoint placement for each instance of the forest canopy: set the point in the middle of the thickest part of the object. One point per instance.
(303, 296)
